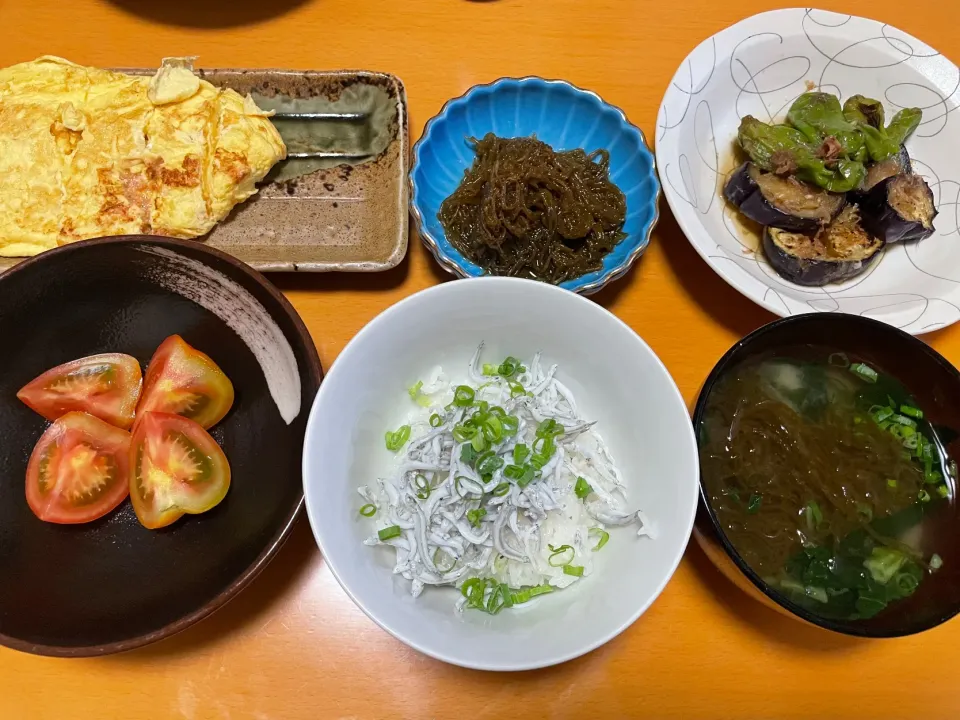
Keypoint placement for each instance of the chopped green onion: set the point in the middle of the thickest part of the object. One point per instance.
(514, 472)
(891, 483)
(368, 510)
(468, 454)
(904, 420)
(520, 453)
(472, 486)
(463, 396)
(510, 424)
(509, 367)
(943, 491)
(754, 505)
(932, 477)
(529, 593)
(492, 428)
(490, 370)
(516, 389)
(439, 555)
(507, 595)
(911, 411)
(575, 570)
(499, 599)
(388, 533)
(475, 516)
(864, 372)
(473, 590)
(884, 563)
(396, 440)
(880, 413)
(905, 431)
(489, 464)
(814, 515)
(923, 496)
(839, 359)
(528, 476)
(549, 428)
(422, 486)
(936, 562)
(604, 536)
(906, 583)
(478, 442)
(419, 398)
(462, 433)
(582, 488)
(501, 489)
(922, 443)
(560, 556)
(539, 461)
(435, 420)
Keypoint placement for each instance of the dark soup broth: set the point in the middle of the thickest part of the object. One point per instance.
(831, 482)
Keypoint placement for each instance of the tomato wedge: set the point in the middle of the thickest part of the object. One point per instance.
(106, 386)
(184, 381)
(79, 470)
(176, 468)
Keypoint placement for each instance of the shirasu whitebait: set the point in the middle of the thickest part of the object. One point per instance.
(501, 487)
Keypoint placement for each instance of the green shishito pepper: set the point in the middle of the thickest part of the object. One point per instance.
(825, 144)
(881, 142)
(777, 147)
(819, 116)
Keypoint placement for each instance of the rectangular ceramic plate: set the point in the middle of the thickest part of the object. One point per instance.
(344, 211)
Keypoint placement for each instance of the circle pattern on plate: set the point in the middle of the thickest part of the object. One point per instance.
(758, 67)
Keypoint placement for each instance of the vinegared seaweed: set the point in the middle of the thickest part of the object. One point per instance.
(525, 210)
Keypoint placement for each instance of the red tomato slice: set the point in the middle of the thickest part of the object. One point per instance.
(106, 386)
(79, 470)
(184, 381)
(176, 468)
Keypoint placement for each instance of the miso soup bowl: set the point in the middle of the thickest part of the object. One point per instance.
(931, 379)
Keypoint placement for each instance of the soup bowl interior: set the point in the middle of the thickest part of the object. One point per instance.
(935, 385)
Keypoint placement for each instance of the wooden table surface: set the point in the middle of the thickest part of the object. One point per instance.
(293, 645)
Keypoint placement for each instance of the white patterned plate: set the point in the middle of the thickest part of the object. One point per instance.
(757, 67)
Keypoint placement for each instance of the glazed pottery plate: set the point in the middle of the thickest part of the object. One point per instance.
(563, 116)
(345, 208)
(758, 67)
(111, 584)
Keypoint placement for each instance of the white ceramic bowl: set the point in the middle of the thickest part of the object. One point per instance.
(616, 379)
(758, 67)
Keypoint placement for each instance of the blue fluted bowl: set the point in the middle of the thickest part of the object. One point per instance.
(563, 116)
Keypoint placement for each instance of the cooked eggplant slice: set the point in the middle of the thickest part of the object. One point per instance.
(898, 164)
(781, 202)
(899, 209)
(840, 251)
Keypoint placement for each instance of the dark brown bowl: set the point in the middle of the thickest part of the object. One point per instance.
(936, 385)
(112, 585)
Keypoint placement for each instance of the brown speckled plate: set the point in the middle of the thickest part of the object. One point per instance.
(334, 213)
